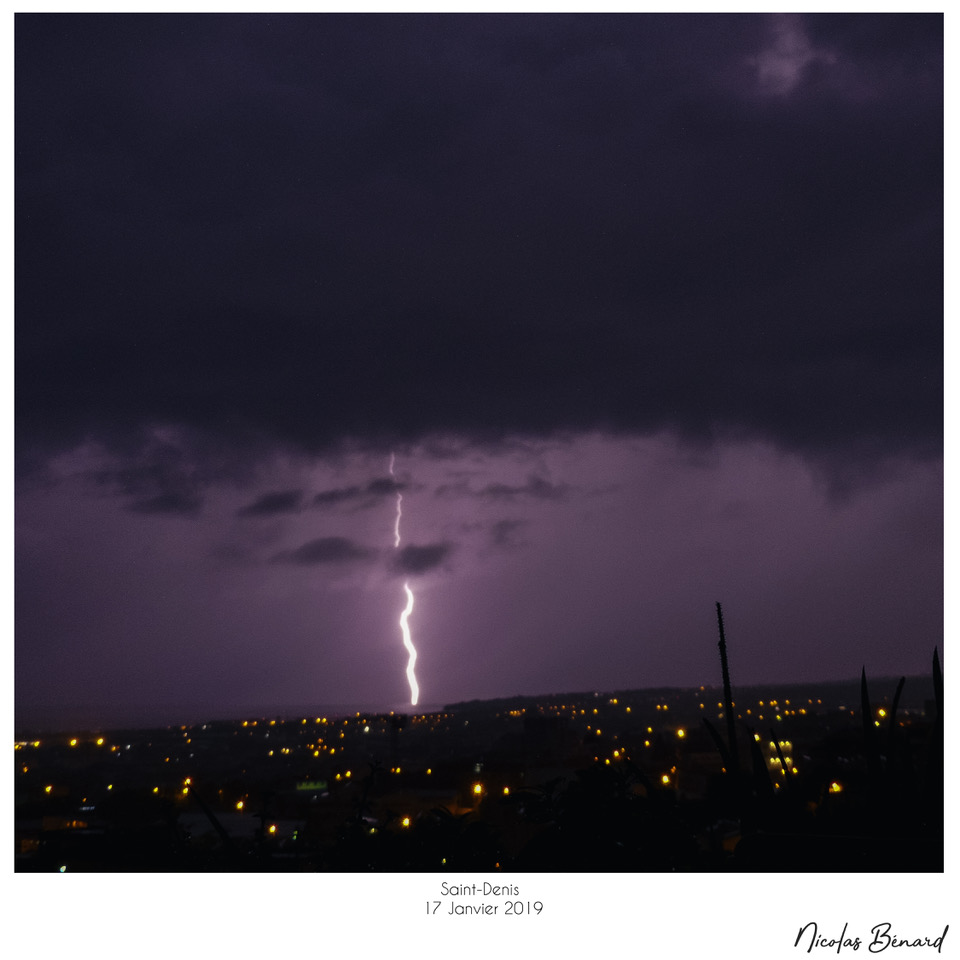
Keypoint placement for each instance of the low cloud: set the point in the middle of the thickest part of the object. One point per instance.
(536, 488)
(161, 479)
(283, 501)
(329, 498)
(384, 487)
(414, 559)
(364, 497)
(325, 550)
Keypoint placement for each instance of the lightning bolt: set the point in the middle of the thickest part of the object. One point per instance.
(396, 525)
(404, 625)
(408, 643)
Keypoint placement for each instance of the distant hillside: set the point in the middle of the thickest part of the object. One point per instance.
(916, 691)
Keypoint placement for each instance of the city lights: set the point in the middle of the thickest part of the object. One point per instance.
(321, 787)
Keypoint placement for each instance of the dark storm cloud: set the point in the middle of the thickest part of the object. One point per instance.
(310, 229)
(536, 488)
(384, 487)
(421, 559)
(328, 498)
(284, 501)
(325, 550)
(363, 497)
(161, 477)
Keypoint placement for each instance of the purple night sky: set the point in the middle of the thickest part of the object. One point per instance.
(647, 310)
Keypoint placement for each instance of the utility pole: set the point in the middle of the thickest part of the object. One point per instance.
(728, 696)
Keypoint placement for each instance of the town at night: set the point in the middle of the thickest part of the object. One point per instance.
(480, 468)
(628, 781)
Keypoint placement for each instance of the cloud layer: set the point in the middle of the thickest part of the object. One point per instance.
(308, 229)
